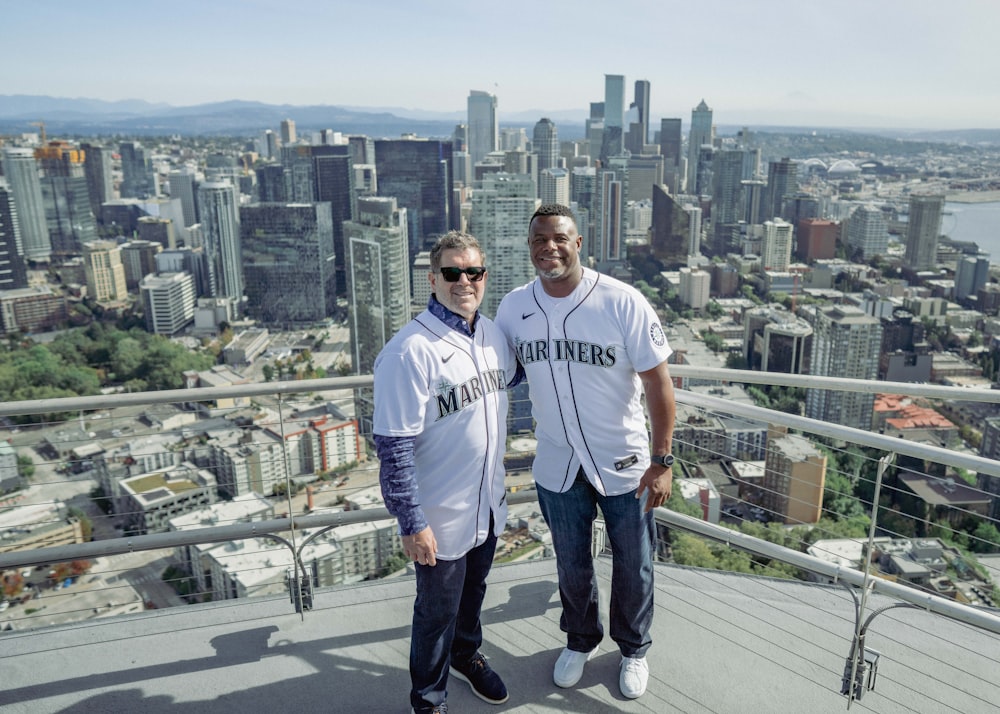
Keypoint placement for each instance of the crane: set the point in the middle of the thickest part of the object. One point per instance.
(41, 126)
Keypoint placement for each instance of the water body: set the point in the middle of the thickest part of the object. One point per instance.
(977, 222)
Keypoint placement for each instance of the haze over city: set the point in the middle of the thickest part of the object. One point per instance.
(779, 62)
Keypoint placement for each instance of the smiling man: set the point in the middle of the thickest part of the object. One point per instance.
(591, 347)
(440, 428)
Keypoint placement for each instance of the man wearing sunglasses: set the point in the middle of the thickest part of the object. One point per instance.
(592, 347)
(440, 429)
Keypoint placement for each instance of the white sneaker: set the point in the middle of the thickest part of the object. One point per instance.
(569, 666)
(633, 676)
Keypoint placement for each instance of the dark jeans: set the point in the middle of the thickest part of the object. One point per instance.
(570, 516)
(446, 623)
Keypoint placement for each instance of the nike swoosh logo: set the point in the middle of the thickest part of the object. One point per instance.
(526, 315)
(445, 359)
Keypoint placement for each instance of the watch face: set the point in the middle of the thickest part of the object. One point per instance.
(667, 460)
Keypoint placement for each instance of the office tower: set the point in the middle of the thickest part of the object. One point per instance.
(138, 177)
(273, 143)
(613, 139)
(609, 216)
(798, 206)
(582, 189)
(287, 131)
(782, 180)
(271, 182)
(188, 260)
(460, 138)
(922, 231)
(365, 180)
(727, 197)
(378, 277)
(553, 186)
(168, 302)
(362, 149)
(484, 127)
(794, 478)
(299, 171)
(545, 143)
(846, 343)
(671, 141)
(420, 284)
(866, 233)
(513, 139)
(972, 272)
(501, 211)
(777, 248)
(417, 172)
(220, 225)
(776, 340)
(333, 173)
(905, 356)
(102, 262)
(644, 171)
(594, 130)
(12, 271)
(21, 171)
(288, 268)
(182, 187)
(139, 260)
(67, 213)
(694, 288)
(97, 170)
(671, 240)
(701, 133)
(641, 104)
(817, 239)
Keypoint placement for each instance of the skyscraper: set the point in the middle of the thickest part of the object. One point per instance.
(12, 271)
(727, 196)
(777, 249)
(378, 277)
(21, 170)
(288, 131)
(288, 269)
(501, 210)
(553, 186)
(846, 343)
(97, 169)
(701, 133)
(138, 177)
(333, 175)
(483, 126)
(609, 215)
(102, 263)
(417, 172)
(922, 230)
(182, 186)
(782, 180)
(220, 225)
(545, 142)
(866, 232)
(641, 103)
(613, 140)
(168, 302)
(66, 197)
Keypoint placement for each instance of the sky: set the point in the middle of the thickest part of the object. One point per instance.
(851, 63)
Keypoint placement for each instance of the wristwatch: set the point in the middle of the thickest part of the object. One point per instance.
(663, 460)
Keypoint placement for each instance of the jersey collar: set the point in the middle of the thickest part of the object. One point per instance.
(451, 319)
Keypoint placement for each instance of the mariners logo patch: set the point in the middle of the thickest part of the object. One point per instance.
(656, 335)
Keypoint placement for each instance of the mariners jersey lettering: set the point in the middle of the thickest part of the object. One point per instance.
(453, 398)
(582, 354)
(566, 351)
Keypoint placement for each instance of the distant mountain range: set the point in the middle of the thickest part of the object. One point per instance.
(95, 117)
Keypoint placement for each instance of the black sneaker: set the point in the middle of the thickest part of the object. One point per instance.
(485, 683)
(441, 708)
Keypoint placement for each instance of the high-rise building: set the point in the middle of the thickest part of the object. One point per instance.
(102, 263)
(641, 104)
(182, 186)
(923, 228)
(188, 260)
(846, 343)
(545, 142)
(905, 356)
(701, 133)
(139, 260)
(695, 286)
(866, 232)
(609, 215)
(333, 174)
(671, 141)
(21, 171)
(644, 172)
(727, 196)
(816, 239)
(776, 340)
(220, 226)
(12, 272)
(501, 211)
(378, 272)
(67, 213)
(417, 172)
(484, 126)
(138, 177)
(168, 302)
(777, 249)
(675, 232)
(288, 269)
(794, 477)
(782, 180)
(97, 170)
(288, 131)
(613, 140)
(972, 272)
(553, 186)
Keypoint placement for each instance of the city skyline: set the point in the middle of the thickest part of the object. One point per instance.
(890, 64)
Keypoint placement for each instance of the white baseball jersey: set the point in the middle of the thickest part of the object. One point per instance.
(449, 391)
(582, 354)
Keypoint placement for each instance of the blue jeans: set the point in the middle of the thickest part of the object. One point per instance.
(446, 624)
(570, 516)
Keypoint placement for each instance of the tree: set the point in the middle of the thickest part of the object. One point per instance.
(268, 372)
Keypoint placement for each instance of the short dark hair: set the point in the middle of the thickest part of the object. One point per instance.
(454, 240)
(553, 209)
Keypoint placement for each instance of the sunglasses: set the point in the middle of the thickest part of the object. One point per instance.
(452, 274)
